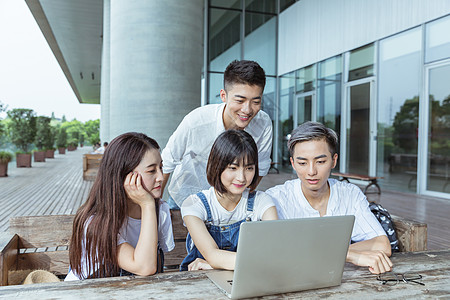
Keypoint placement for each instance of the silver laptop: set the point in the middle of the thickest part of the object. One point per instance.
(287, 256)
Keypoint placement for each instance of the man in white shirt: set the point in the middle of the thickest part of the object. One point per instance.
(313, 149)
(187, 150)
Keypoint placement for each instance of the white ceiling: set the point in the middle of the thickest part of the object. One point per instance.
(73, 30)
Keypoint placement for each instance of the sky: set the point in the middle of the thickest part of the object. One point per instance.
(30, 76)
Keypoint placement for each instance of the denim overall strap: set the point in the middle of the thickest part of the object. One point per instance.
(205, 203)
(251, 200)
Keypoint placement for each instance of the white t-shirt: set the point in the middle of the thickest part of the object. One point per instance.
(193, 206)
(187, 151)
(129, 233)
(345, 199)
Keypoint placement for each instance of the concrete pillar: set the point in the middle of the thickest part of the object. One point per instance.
(105, 86)
(156, 62)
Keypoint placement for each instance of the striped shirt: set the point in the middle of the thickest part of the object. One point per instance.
(345, 199)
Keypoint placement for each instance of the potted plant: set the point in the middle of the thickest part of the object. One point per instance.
(5, 158)
(22, 130)
(39, 155)
(61, 141)
(48, 136)
(42, 131)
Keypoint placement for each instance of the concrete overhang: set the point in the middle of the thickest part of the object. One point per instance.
(73, 30)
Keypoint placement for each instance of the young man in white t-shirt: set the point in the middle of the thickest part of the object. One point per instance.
(187, 150)
(313, 149)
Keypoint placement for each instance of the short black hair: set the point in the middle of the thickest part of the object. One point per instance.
(230, 146)
(310, 131)
(244, 72)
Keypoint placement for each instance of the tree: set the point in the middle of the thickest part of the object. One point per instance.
(44, 136)
(92, 130)
(3, 108)
(74, 129)
(22, 127)
(61, 141)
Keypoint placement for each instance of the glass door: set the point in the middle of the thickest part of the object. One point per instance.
(437, 153)
(304, 108)
(360, 138)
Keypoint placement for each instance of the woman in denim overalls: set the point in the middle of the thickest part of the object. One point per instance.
(231, 171)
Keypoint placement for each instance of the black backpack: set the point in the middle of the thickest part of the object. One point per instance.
(385, 220)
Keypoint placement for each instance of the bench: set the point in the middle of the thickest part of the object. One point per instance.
(91, 163)
(413, 179)
(373, 179)
(41, 242)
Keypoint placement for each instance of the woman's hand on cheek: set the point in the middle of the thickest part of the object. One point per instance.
(136, 191)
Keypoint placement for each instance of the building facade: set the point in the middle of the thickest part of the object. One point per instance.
(376, 71)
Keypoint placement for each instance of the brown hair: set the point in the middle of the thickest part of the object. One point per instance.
(230, 146)
(106, 209)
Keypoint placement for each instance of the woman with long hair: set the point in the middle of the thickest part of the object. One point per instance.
(123, 227)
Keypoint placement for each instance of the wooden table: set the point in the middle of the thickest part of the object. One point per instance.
(357, 283)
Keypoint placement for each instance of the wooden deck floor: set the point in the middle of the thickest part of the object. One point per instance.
(56, 187)
(48, 188)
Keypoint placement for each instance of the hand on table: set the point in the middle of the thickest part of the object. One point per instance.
(377, 261)
(199, 264)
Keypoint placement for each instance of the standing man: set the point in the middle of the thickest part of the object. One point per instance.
(187, 150)
(313, 149)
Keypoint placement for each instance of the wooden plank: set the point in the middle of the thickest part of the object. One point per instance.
(356, 176)
(174, 258)
(412, 235)
(179, 230)
(43, 231)
(56, 262)
(357, 283)
(9, 250)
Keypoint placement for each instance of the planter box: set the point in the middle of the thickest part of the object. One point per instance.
(71, 148)
(62, 150)
(50, 154)
(3, 169)
(23, 160)
(39, 156)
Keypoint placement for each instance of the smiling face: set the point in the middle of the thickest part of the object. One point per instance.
(243, 102)
(312, 161)
(150, 169)
(237, 177)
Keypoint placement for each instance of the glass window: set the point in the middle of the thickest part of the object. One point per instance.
(438, 158)
(398, 110)
(264, 6)
(306, 79)
(437, 40)
(224, 38)
(361, 62)
(260, 42)
(286, 3)
(286, 120)
(329, 92)
(268, 103)
(236, 4)
(215, 85)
